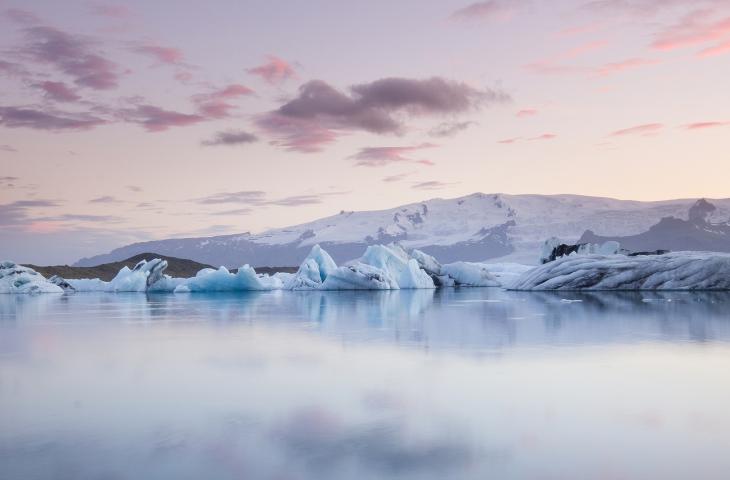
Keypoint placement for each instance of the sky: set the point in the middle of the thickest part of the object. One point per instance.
(138, 120)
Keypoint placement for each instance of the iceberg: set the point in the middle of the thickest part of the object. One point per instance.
(670, 271)
(16, 278)
(312, 272)
(141, 278)
(553, 248)
(221, 280)
(457, 274)
(381, 267)
(468, 274)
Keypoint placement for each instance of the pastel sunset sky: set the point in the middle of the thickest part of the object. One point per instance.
(140, 120)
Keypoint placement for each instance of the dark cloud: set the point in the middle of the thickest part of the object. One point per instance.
(105, 199)
(156, 119)
(58, 91)
(110, 10)
(258, 198)
(11, 69)
(134, 188)
(18, 213)
(487, 10)
(431, 185)
(74, 55)
(23, 17)
(449, 129)
(46, 119)
(70, 217)
(319, 113)
(238, 211)
(297, 200)
(8, 182)
(8, 148)
(382, 156)
(253, 197)
(398, 177)
(231, 137)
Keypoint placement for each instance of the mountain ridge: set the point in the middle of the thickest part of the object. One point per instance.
(475, 227)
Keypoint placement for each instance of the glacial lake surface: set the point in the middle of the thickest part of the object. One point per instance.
(471, 383)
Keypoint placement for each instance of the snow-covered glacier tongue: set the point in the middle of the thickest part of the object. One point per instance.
(669, 271)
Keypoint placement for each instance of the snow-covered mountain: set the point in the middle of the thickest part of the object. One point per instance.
(473, 228)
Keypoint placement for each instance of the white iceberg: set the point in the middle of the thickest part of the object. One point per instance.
(553, 248)
(457, 274)
(670, 271)
(221, 280)
(312, 272)
(16, 278)
(141, 278)
(380, 268)
(468, 274)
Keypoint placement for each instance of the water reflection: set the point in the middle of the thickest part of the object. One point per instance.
(454, 383)
(451, 318)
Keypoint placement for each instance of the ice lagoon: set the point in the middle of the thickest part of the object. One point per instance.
(467, 383)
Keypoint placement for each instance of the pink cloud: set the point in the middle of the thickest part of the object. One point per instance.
(579, 30)
(58, 91)
(382, 156)
(527, 112)
(275, 71)
(646, 129)
(554, 65)
(216, 104)
(233, 90)
(694, 28)
(718, 49)
(616, 67)
(705, 125)
(544, 136)
(166, 55)
(509, 141)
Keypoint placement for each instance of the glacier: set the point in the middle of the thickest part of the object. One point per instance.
(669, 271)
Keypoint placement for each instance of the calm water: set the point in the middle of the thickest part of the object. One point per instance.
(470, 383)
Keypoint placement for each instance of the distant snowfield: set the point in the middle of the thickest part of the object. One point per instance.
(474, 228)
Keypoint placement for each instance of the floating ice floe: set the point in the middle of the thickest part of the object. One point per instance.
(670, 271)
(16, 278)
